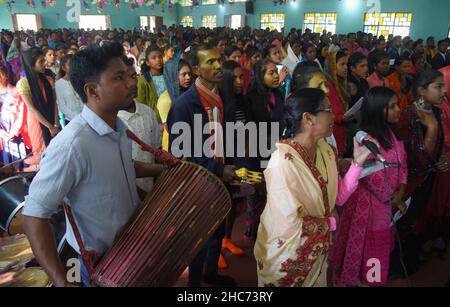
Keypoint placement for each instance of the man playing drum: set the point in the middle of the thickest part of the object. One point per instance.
(88, 165)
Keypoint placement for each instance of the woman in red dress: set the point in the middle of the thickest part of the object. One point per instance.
(339, 96)
(436, 220)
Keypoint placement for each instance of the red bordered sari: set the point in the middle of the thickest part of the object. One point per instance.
(294, 235)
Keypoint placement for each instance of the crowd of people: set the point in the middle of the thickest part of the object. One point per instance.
(326, 205)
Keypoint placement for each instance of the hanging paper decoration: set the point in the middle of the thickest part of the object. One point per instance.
(133, 4)
(52, 3)
(150, 3)
(86, 5)
(100, 5)
(9, 5)
(117, 4)
(32, 4)
(275, 2)
(44, 3)
(171, 5)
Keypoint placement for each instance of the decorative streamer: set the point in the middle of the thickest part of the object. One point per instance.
(281, 2)
(100, 5)
(9, 5)
(86, 5)
(150, 3)
(32, 4)
(133, 4)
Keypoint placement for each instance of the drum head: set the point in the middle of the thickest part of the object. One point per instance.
(12, 196)
(18, 250)
(32, 277)
(16, 223)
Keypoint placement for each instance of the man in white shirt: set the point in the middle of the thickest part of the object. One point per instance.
(142, 121)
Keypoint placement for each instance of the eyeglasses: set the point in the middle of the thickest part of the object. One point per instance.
(328, 110)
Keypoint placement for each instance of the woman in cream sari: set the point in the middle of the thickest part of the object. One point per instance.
(303, 187)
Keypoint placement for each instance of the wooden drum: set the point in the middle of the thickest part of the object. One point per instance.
(185, 207)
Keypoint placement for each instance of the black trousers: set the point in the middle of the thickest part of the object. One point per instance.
(410, 239)
(206, 261)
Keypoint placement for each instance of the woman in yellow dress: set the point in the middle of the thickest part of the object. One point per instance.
(303, 187)
(180, 76)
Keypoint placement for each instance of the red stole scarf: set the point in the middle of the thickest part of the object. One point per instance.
(211, 100)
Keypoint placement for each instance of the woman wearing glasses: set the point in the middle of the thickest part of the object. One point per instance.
(365, 231)
(309, 75)
(303, 187)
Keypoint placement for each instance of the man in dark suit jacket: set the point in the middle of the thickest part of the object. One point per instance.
(441, 59)
(197, 103)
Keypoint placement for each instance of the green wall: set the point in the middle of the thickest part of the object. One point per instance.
(55, 17)
(430, 17)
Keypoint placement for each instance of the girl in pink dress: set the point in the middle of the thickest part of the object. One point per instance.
(365, 231)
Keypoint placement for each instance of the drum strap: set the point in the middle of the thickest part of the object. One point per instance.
(90, 258)
(161, 156)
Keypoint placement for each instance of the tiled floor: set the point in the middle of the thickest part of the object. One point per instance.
(433, 273)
